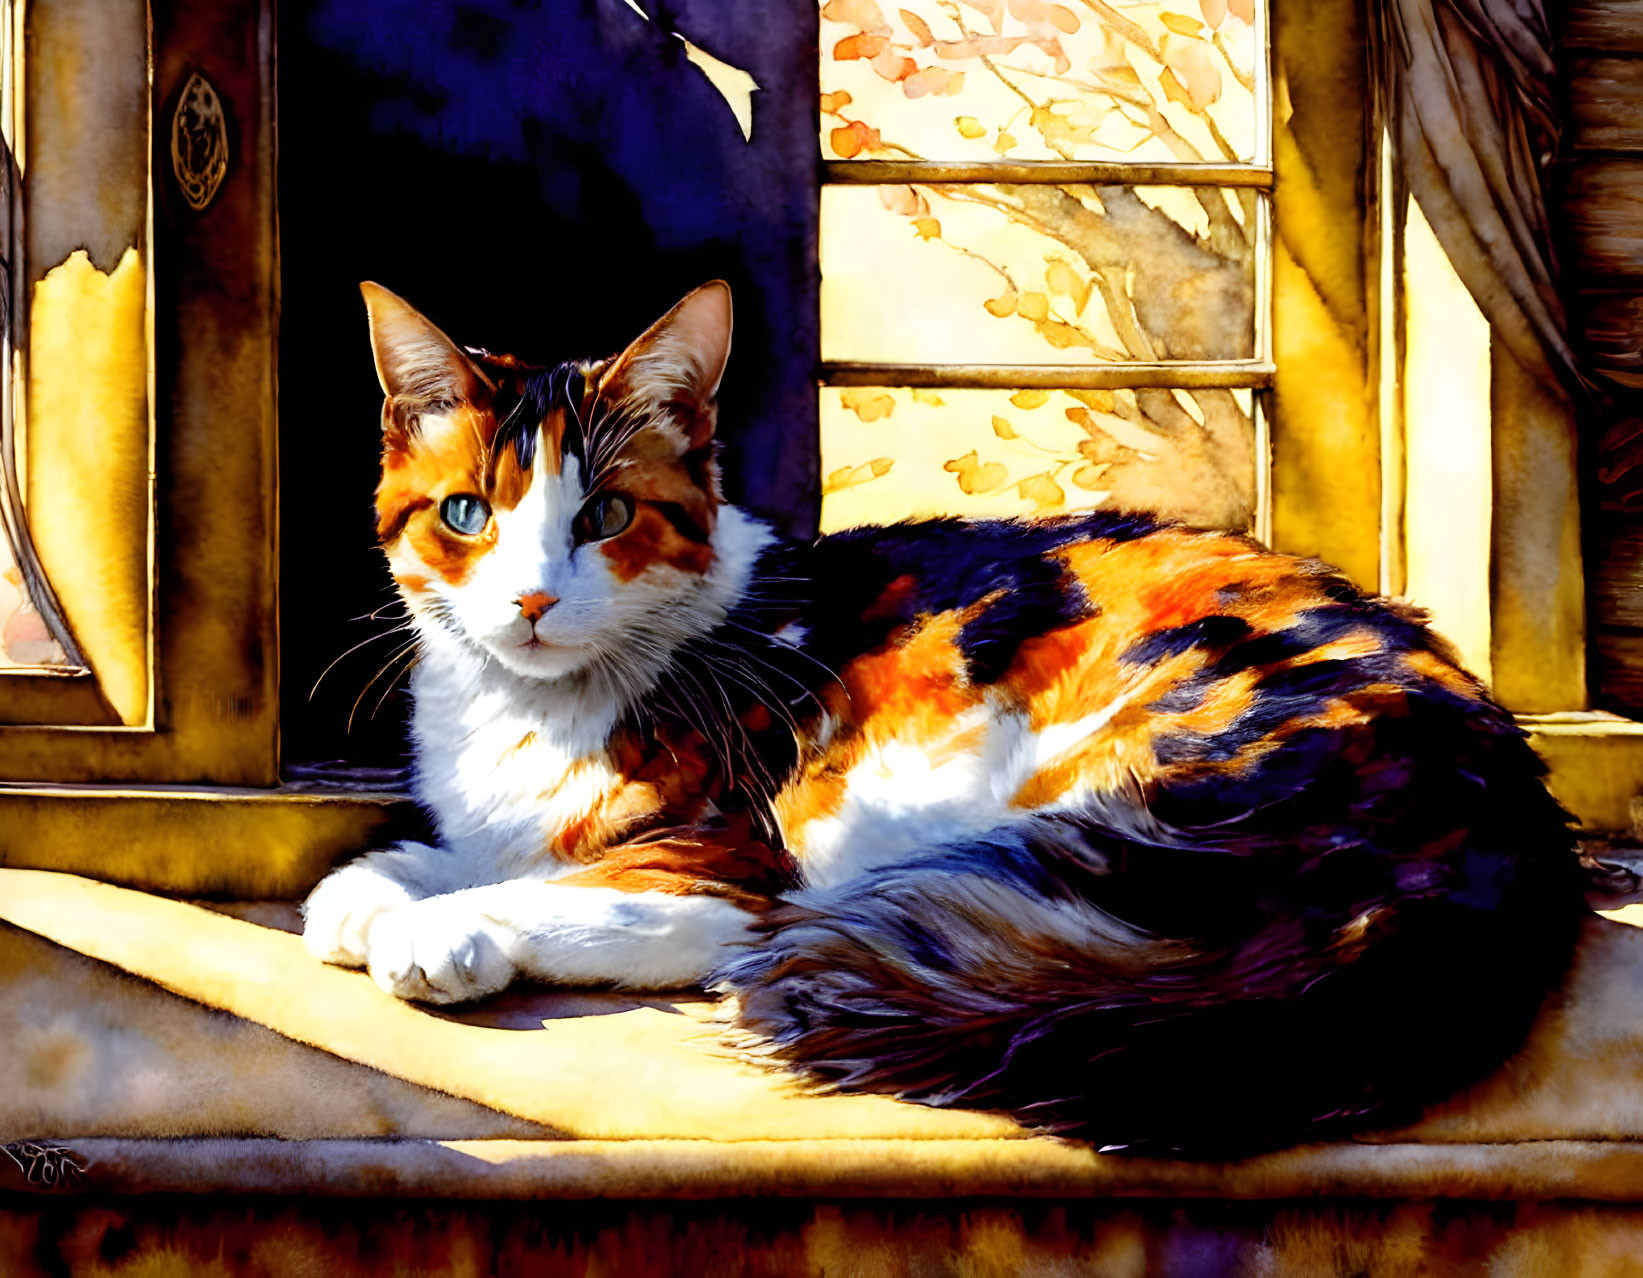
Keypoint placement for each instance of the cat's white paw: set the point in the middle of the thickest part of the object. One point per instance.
(339, 913)
(442, 950)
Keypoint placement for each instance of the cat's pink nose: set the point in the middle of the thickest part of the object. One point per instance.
(534, 604)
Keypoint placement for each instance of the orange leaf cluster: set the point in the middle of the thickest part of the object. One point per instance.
(1061, 336)
(1042, 17)
(992, 10)
(868, 404)
(1043, 491)
(1190, 76)
(833, 103)
(1063, 279)
(1182, 25)
(852, 476)
(865, 15)
(852, 139)
(1088, 476)
(933, 80)
(903, 200)
(976, 477)
(1103, 401)
(860, 46)
(919, 27)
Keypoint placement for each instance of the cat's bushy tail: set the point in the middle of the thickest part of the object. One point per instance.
(1206, 998)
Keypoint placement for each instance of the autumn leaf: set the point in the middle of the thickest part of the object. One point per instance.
(992, 10)
(974, 477)
(1043, 491)
(1039, 14)
(1003, 304)
(1005, 142)
(1030, 399)
(1215, 11)
(891, 66)
(918, 26)
(969, 127)
(1191, 77)
(859, 46)
(1099, 449)
(903, 200)
(1102, 401)
(1243, 10)
(1059, 133)
(868, 404)
(1063, 279)
(929, 397)
(1061, 336)
(1088, 476)
(862, 14)
(1081, 418)
(933, 80)
(928, 228)
(1182, 25)
(854, 476)
(833, 103)
(1125, 76)
(1033, 306)
(852, 139)
(1003, 429)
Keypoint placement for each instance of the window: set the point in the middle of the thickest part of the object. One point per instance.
(1045, 249)
(969, 356)
(140, 436)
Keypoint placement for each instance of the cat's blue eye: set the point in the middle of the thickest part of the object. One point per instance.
(603, 517)
(465, 514)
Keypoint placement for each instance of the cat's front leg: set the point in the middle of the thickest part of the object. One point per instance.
(467, 944)
(339, 914)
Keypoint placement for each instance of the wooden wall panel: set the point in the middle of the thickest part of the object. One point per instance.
(1610, 26)
(1602, 43)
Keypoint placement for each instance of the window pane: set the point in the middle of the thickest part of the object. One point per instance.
(1036, 274)
(891, 454)
(1036, 80)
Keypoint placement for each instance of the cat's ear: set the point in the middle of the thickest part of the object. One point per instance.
(674, 367)
(415, 361)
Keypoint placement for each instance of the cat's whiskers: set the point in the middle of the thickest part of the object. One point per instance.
(409, 647)
(401, 628)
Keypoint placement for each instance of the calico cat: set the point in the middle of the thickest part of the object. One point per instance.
(1142, 834)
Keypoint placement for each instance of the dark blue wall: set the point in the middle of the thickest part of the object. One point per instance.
(544, 178)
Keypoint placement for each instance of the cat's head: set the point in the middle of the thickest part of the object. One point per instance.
(554, 517)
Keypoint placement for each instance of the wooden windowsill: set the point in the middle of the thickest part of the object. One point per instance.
(176, 1048)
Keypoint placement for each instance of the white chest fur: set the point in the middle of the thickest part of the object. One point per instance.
(505, 762)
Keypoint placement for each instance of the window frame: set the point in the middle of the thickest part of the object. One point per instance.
(189, 800)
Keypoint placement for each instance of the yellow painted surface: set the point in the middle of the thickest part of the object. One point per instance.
(1449, 448)
(1325, 440)
(88, 464)
(235, 843)
(1594, 766)
(1538, 624)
